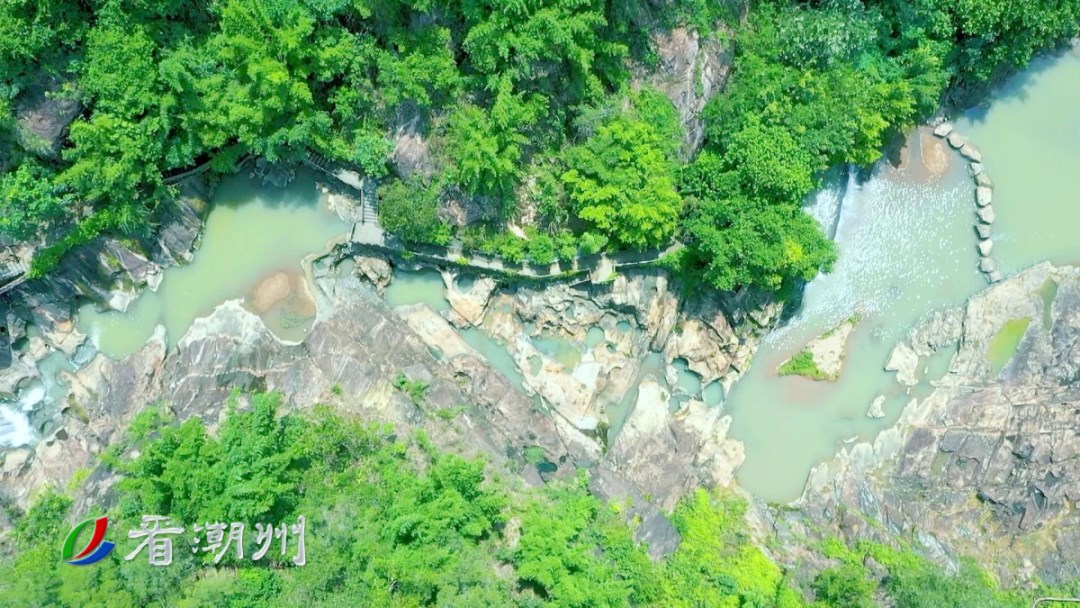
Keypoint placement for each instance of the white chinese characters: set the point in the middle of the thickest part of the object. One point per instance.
(157, 535)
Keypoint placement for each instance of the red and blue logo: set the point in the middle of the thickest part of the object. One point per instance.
(96, 551)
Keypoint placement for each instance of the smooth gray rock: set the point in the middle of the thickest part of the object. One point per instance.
(983, 179)
(956, 140)
(943, 130)
(986, 214)
(905, 362)
(987, 264)
(971, 153)
(43, 113)
(985, 247)
(983, 196)
(983, 230)
(876, 407)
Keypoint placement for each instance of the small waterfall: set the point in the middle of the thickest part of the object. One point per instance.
(827, 204)
(845, 207)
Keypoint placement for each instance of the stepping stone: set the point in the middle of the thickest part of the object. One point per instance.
(983, 196)
(987, 265)
(983, 230)
(994, 276)
(975, 169)
(877, 409)
(983, 179)
(985, 247)
(956, 140)
(970, 152)
(943, 129)
(986, 214)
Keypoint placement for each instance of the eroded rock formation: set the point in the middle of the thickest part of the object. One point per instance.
(986, 465)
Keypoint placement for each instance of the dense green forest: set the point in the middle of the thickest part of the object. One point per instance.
(392, 521)
(526, 104)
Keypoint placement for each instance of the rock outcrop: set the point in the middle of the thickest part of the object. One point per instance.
(986, 465)
(692, 71)
(827, 352)
(411, 155)
(42, 116)
(359, 345)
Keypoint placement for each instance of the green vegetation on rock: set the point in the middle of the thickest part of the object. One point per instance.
(390, 522)
(802, 364)
(393, 521)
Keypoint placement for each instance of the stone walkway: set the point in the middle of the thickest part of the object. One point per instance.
(984, 194)
(13, 276)
(367, 233)
(598, 268)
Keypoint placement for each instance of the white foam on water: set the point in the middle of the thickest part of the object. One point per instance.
(904, 249)
(15, 427)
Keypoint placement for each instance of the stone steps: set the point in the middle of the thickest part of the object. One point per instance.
(984, 198)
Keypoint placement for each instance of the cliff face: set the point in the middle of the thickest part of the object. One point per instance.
(987, 465)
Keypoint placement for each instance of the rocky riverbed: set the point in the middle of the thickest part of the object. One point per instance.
(986, 465)
(360, 345)
(983, 463)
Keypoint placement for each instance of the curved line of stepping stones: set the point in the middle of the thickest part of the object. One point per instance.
(984, 195)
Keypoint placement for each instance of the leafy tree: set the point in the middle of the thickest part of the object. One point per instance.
(715, 564)
(557, 555)
(738, 241)
(561, 48)
(371, 152)
(29, 201)
(620, 183)
(411, 211)
(770, 163)
(541, 248)
(593, 243)
(846, 585)
(37, 33)
(417, 66)
(120, 72)
(116, 160)
(485, 158)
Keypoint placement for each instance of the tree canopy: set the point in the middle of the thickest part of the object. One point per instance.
(536, 105)
(392, 521)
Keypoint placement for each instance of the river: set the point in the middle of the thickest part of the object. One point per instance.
(252, 247)
(254, 241)
(906, 248)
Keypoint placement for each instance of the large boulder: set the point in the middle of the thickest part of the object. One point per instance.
(905, 362)
(411, 155)
(42, 116)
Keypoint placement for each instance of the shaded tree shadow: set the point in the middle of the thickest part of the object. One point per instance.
(1012, 85)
